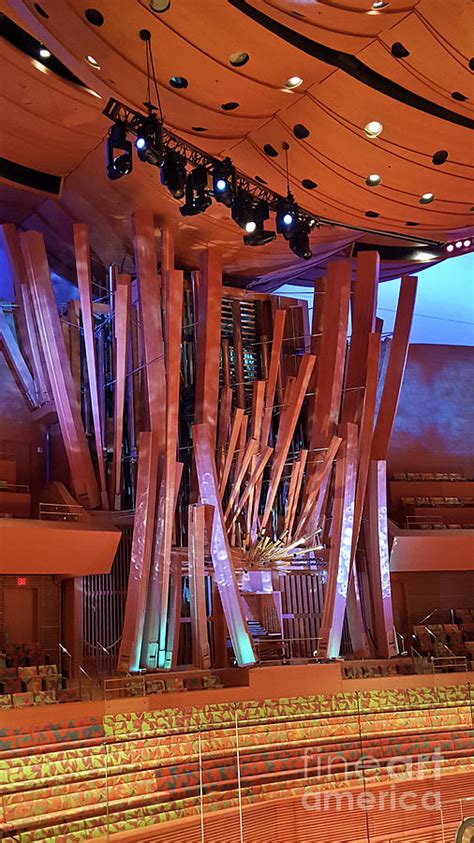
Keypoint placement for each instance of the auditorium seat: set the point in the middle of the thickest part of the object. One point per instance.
(55, 781)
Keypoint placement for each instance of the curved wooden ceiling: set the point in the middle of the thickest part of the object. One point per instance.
(343, 51)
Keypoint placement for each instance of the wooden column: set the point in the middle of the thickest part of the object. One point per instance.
(84, 280)
(208, 336)
(378, 559)
(82, 472)
(197, 596)
(121, 327)
(220, 549)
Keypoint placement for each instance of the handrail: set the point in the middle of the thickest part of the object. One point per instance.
(16, 488)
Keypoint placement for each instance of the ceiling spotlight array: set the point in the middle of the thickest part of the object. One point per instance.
(460, 246)
(192, 175)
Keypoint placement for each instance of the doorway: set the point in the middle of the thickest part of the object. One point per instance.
(21, 615)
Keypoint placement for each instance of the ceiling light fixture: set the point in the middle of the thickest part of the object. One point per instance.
(44, 53)
(159, 5)
(293, 82)
(373, 129)
(426, 198)
(450, 247)
(299, 242)
(196, 183)
(466, 244)
(223, 182)
(286, 216)
(257, 235)
(379, 4)
(373, 180)
(243, 211)
(458, 244)
(93, 62)
(149, 142)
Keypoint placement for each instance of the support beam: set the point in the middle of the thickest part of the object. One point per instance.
(84, 280)
(220, 549)
(378, 561)
(11, 247)
(364, 305)
(52, 341)
(16, 362)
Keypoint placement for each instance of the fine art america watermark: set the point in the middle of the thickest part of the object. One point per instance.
(368, 770)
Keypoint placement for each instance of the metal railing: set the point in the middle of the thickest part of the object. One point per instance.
(449, 664)
(16, 488)
(286, 649)
(60, 512)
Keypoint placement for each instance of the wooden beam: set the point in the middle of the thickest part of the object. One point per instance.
(197, 596)
(378, 560)
(395, 368)
(11, 247)
(254, 478)
(43, 389)
(278, 331)
(238, 353)
(220, 549)
(296, 493)
(84, 280)
(364, 305)
(149, 285)
(121, 327)
(140, 559)
(234, 436)
(314, 488)
(208, 335)
(16, 363)
(54, 350)
(250, 450)
(341, 538)
(225, 412)
(286, 431)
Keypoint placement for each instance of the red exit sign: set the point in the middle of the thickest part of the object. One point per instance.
(21, 581)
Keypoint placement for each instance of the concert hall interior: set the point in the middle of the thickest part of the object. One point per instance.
(236, 425)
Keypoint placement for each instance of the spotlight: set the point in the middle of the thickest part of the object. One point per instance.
(458, 244)
(373, 180)
(223, 182)
(450, 247)
(293, 82)
(44, 53)
(196, 183)
(286, 216)
(149, 142)
(121, 164)
(373, 129)
(173, 173)
(426, 198)
(466, 244)
(243, 210)
(299, 242)
(256, 233)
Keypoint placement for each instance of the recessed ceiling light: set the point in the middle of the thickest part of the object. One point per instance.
(239, 59)
(373, 129)
(178, 82)
(458, 244)
(450, 247)
(467, 243)
(293, 82)
(160, 5)
(44, 53)
(373, 180)
(426, 198)
(91, 60)
(380, 4)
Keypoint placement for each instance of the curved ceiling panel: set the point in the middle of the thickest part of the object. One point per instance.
(344, 55)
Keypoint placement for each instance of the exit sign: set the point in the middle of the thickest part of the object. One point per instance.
(21, 581)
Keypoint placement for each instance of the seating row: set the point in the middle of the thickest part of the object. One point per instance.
(149, 766)
(30, 680)
(22, 699)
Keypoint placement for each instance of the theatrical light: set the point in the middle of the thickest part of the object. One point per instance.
(173, 173)
(373, 129)
(149, 143)
(243, 211)
(458, 244)
(119, 152)
(286, 216)
(44, 53)
(223, 182)
(450, 247)
(373, 180)
(426, 198)
(466, 244)
(196, 193)
(299, 242)
(257, 235)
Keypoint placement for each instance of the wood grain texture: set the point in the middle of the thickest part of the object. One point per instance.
(208, 337)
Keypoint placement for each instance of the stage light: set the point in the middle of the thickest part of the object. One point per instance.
(173, 173)
(466, 244)
(458, 244)
(119, 152)
(286, 216)
(243, 209)
(257, 235)
(196, 193)
(223, 182)
(373, 129)
(149, 144)
(426, 198)
(450, 247)
(44, 53)
(92, 61)
(299, 242)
